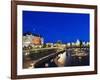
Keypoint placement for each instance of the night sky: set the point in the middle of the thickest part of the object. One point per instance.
(52, 26)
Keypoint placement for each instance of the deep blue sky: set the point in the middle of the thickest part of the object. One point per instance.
(52, 26)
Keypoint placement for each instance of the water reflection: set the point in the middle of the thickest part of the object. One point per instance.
(66, 59)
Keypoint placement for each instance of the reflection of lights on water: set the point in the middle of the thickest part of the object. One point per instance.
(46, 64)
(51, 60)
(62, 58)
(80, 57)
(26, 53)
(31, 66)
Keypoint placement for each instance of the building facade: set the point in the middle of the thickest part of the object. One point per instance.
(32, 39)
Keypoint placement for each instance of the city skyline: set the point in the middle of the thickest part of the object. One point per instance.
(52, 26)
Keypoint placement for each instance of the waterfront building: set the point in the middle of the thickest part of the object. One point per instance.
(36, 40)
(68, 44)
(33, 40)
(77, 43)
(73, 44)
(83, 43)
(27, 39)
(49, 45)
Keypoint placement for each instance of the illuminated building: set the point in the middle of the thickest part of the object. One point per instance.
(32, 39)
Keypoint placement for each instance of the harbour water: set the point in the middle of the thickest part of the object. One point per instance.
(65, 60)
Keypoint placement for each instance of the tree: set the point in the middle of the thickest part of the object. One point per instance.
(81, 44)
(44, 46)
(59, 42)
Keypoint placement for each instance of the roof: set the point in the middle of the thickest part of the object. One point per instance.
(34, 34)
